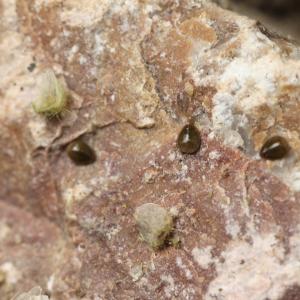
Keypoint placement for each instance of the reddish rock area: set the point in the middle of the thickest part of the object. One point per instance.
(137, 71)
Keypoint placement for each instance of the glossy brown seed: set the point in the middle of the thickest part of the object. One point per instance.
(189, 140)
(275, 148)
(81, 153)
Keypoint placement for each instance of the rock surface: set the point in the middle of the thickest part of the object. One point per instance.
(280, 15)
(137, 72)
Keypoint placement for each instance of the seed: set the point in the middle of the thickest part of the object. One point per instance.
(53, 97)
(155, 224)
(189, 140)
(81, 153)
(275, 148)
(189, 89)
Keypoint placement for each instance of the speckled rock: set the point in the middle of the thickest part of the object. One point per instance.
(137, 71)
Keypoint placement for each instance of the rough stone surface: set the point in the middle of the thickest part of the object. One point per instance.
(280, 15)
(34, 294)
(137, 72)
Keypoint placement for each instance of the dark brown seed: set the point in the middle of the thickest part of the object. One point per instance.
(81, 153)
(189, 140)
(275, 148)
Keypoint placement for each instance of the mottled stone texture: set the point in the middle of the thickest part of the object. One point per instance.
(137, 72)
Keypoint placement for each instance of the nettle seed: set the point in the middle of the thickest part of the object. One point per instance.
(53, 97)
(189, 140)
(81, 153)
(155, 224)
(275, 148)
